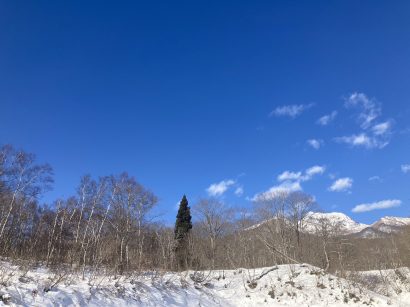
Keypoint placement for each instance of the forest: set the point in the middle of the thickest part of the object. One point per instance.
(107, 223)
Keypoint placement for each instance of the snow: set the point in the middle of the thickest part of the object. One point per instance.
(385, 225)
(345, 224)
(284, 285)
(391, 283)
(388, 223)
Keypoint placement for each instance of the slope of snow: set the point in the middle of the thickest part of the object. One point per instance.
(391, 283)
(390, 223)
(285, 285)
(345, 224)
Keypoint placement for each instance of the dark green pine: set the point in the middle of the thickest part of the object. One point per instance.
(183, 222)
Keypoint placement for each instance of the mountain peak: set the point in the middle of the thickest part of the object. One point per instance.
(344, 223)
(347, 225)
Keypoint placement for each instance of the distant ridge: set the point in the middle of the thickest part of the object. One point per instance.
(345, 225)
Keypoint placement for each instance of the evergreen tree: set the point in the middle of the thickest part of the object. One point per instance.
(183, 223)
(182, 226)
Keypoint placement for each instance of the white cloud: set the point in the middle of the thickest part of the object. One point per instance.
(370, 109)
(356, 140)
(314, 170)
(217, 189)
(326, 119)
(375, 179)
(290, 182)
(341, 184)
(405, 168)
(373, 134)
(382, 128)
(284, 187)
(291, 110)
(315, 143)
(239, 191)
(298, 176)
(384, 204)
(287, 175)
(363, 140)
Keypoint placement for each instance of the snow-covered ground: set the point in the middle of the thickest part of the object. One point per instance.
(391, 283)
(285, 285)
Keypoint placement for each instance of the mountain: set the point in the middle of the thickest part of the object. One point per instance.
(384, 226)
(347, 226)
(315, 221)
(341, 224)
(389, 223)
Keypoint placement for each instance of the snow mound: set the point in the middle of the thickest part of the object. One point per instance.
(284, 285)
(393, 283)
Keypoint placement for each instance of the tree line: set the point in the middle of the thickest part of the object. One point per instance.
(107, 223)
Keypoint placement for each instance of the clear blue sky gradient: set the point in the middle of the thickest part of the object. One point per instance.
(178, 93)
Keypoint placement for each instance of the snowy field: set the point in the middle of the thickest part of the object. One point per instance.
(285, 285)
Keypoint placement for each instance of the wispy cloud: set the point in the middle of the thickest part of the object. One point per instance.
(341, 184)
(373, 134)
(291, 110)
(355, 140)
(384, 204)
(370, 108)
(217, 189)
(239, 191)
(327, 119)
(299, 176)
(315, 143)
(375, 179)
(287, 175)
(405, 168)
(363, 140)
(382, 128)
(290, 182)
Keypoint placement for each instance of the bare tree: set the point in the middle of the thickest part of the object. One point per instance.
(298, 206)
(131, 203)
(272, 210)
(22, 180)
(214, 218)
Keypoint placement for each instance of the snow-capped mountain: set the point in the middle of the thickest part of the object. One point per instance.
(316, 221)
(385, 225)
(389, 223)
(341, 224)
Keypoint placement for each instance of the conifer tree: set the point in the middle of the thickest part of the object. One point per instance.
(183, 225)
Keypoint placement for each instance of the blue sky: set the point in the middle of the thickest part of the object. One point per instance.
(215, 97)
